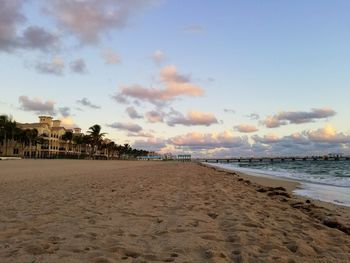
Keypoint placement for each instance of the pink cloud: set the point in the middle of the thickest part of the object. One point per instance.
(150, 144)
(246, 128)
(267, 139)
(154, 116)
(297, 117)
(68, 122)
(110, 57)
(328, 134)
(192, 118)
(141, 134)
(175, 86)
(199, 140)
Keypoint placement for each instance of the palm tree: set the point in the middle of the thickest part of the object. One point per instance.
(7, 130)
(78, 141)
(110, 149)
(33, 137)
(96, 137)
(102, 146)
(68, 137)
(4, 119)
(127, 149)
(87, 142)
(27, 138)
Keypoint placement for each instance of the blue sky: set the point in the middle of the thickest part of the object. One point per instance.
(287, 61)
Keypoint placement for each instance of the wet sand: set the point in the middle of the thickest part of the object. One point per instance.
(119, 211)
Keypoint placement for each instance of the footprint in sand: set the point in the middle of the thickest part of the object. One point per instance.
(35, 249)
(213, 215)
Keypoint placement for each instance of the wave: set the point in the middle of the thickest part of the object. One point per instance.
(323, 187)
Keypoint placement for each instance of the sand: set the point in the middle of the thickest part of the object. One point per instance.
(119, 211)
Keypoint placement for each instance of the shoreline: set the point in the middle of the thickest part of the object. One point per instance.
(292, 186)
(342, 212)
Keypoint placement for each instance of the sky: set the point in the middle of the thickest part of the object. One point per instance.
(211, 78)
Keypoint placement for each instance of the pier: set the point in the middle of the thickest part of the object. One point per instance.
(271, 159)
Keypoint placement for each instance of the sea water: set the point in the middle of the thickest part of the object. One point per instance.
(327, 181)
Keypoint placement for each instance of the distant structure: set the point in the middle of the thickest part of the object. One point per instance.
(52, 131)
(335, 155)
(52, 144)
(165, 157)
(150, 158)
(184, 157)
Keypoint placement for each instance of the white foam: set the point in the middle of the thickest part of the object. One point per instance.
(327, 193)
(319, 190)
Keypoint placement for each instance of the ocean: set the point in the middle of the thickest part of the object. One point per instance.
(327, 181)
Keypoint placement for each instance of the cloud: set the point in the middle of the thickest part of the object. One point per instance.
(65, 111)
(246, 128)
(191, 119)
(110, 57)
(54, 67)
(35, 37)
(253, 116)
(229, 111)
(196, 140)
(310, 142)
(32, 37)
(132, 113)
(267, 139)
(194, 29)
(297, 117)
(158, 57)
(328, 134)
(37, 105)
(151, 144)
(141, 134)
(87, 103)
(154, 116)
(225, 144)
(175, 86)
(68, 122)
(78, 66)
(131, 127)
(120, 98)
(89, 20)
(10, 17)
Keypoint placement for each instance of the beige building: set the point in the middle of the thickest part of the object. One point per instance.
(50, 131)
(51, 143)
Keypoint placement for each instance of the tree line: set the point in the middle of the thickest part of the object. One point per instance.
(93, 144)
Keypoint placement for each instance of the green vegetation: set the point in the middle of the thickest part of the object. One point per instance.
(29, 143)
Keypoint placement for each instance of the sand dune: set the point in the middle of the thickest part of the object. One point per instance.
(114, 211)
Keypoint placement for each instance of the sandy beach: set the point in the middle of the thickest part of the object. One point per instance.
(120, 211)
